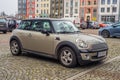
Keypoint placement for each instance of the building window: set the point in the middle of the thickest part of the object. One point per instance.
(102, 2)
(71, 3)
(41, 5)
(76, 4)
(47, 11)
(66, 4)
(94, 12)
(66, 16)
(82, 3)
(44, 11)
(37, 11)
(47, 5)
(37, 5)
(94, 2)
(114, 1)
(102, 9)
(108, 9)
(88, 10)
(66, 11)
(76, 11)
(82, 12)
(44, 5)
(88, 2)
(41, 11)
(108, 1)
(114, 9)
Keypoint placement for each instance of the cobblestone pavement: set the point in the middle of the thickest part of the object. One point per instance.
(34, 67)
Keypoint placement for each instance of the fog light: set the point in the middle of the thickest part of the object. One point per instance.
(87, 57)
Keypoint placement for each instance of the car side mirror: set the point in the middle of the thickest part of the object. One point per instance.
(45, 32)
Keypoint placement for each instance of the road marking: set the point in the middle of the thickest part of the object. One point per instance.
(89, 70)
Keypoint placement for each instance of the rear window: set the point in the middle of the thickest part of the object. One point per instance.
(2, 20)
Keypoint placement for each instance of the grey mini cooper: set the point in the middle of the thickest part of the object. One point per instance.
(58, 39)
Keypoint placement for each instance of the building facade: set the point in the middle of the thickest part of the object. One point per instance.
(71, 8)
(57, 8)
(109, 10)
(21, 9)
(45, 8)
(37, 8)
(89, 10)
(30, 8)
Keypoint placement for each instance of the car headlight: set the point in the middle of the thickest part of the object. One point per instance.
(81, 43)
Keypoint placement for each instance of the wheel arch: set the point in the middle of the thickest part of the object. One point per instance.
(107, 31)
(66, 44)
(17, 39)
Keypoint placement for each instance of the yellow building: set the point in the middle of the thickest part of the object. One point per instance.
(42, 8)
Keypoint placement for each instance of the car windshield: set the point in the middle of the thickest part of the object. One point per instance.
(2, 20)
(62, 26)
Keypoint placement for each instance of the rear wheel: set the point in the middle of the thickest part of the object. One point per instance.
(15, 47)
(105, 34)
(67, 57)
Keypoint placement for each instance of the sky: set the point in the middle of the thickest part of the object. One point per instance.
(8, 6)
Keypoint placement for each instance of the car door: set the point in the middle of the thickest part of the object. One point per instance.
(24, 34)
(116, 29)
(41, 42)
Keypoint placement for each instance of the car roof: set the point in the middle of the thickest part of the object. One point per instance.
(45, 19)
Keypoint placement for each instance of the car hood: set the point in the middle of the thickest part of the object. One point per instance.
(88, 38)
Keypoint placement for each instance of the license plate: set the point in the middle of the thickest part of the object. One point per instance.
(101, 54)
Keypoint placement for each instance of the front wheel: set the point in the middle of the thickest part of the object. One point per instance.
(105, 34)
(15, 47)
(67, 57)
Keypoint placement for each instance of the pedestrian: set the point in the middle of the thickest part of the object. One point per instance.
(88, 23)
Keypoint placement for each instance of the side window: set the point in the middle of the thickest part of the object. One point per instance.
(37, 26)
(25, 25)
(40, 25)
(46, 26)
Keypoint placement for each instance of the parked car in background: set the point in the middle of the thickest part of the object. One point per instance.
(3, 25)
(12, 24)
(110, 31)
(83, 25)
(59, 39)
(104, 24)
(93, 25)
(76, 21)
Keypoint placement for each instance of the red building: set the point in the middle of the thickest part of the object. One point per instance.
(30, 8)
(89, 9)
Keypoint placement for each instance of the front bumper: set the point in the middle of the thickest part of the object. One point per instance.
(96, 56)
(87, 57)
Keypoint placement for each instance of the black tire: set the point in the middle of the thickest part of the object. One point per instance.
(4, 32)
(67, 57)
(15, 47)
(105, 34)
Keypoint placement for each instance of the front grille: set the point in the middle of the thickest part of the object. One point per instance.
(98, 47)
